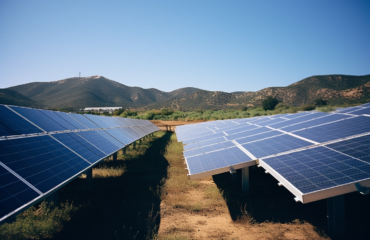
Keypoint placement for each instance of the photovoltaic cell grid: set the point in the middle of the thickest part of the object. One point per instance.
(216, 160)
(309, 170)
(33, 163)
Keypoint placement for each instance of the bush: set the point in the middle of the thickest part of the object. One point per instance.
(320, 102)
(308, 107)
(269, 103)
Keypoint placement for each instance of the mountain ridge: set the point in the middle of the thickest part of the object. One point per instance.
(98, 91)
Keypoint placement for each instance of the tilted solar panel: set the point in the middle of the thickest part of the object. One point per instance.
(318, 169)
(336, 130)
(71, 120)
(13, 124)
(41, 160)
(84, 120)
(216, 162)
(58, 119)
(13, 192)
(38, 118)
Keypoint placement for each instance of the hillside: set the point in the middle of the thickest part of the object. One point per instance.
(96, 91)
(337, 89)
(11, 97)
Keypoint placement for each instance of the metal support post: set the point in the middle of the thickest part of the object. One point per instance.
(114, 156)
(89, 175)
(336, 217)
(234, 176)
(245, 180)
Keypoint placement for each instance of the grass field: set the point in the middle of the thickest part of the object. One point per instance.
(146, 194)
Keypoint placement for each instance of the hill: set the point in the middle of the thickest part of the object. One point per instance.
(96, 91)
(11, 97)
(337, 89)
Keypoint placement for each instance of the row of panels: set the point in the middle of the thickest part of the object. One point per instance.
(34, 165)
(266, 138)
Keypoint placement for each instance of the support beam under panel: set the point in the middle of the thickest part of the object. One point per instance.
(89, 175)
(245, 180)
(114, 156)
(336, 217)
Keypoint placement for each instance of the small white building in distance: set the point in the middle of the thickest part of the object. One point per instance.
(101, 109)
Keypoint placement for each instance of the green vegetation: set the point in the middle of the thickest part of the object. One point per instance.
(41, 223)
(320, 102)
(269, 103)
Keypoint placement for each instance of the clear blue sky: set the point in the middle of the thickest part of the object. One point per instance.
(223, 45)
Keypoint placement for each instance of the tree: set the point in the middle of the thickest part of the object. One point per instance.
(321, 102)
(269, 103)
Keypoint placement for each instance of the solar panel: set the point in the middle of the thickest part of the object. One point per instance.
(99, 141)
(317, 169)
(13, 192)
(361, 111)
(252, 132)
(42, 161)
(77, 147)
(241, 129)
(204, 143)
(336, 130)
(216, 162)
(298, 120)
(71, 120)
(209, 148)
(97, 120)
(58, 119)
(39, 119)
(13, 124)
(85, 121)
(208, 137)
(258, 137)
(355, 147)
(33, 165)
(275, 145)
(314, 122)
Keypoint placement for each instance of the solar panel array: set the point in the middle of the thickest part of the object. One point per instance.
(314, 154)
(41, 150)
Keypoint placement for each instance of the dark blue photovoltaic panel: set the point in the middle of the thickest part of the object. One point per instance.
(298, 120)
(76, 146)
(348, 110)
(208, 137)
(42, 161)
(97, 120)
(318, 169)
(119, 135)
(241, 129)
(336, 130)
(274, 145)
(88, 145)
(85, 121)
(12, 124)
(71, 120)
(210, 148)
(270, 122)
(58, 119)
(204, 143)
(13, 193)
(361, 111)
(248, 133)
(99, 141)
(215, 160)
(315, 122)
(39, 119)
(258, 137)
(295, 115)
(355, 147)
